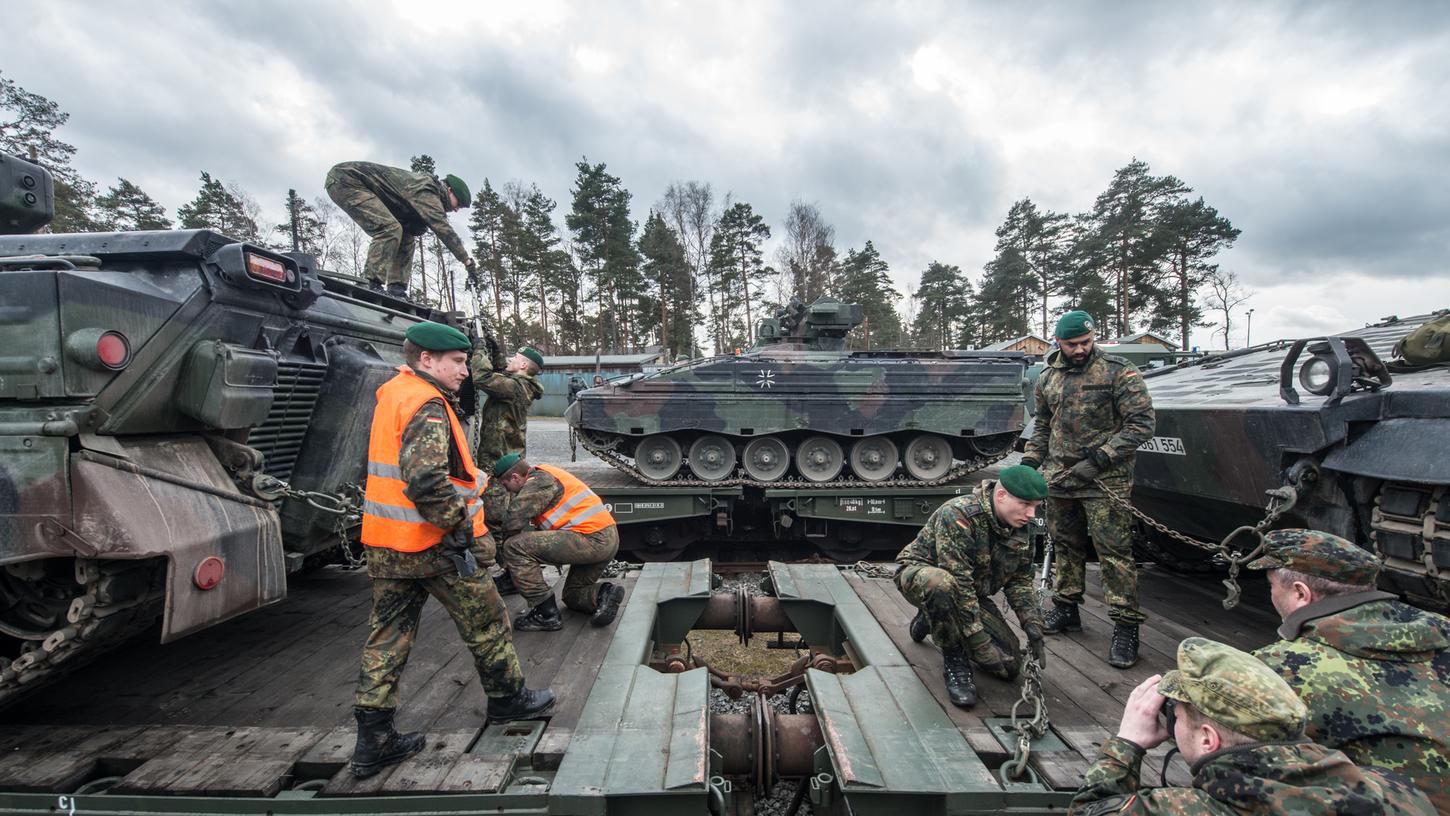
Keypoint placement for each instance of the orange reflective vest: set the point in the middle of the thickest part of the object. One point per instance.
(579, 510)
(390, 519)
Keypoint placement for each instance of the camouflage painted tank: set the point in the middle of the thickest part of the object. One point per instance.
(158, 392)
(798, 408)
(1364, 442)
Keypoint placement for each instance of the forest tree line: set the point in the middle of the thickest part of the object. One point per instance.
(696, 277)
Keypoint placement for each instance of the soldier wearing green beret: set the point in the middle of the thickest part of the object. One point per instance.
(1241, 729)
(972, 547)
(395, 206)
(1093, 411)
(546, 515)
(1373, 671)
(511, 386)
(418, 472)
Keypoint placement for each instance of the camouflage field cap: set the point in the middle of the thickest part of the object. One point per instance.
(437, 337)
(1320, 554)
(505, 462)
(1236, 689)
(459, 189)
(1024, 483)
(1074, 324)
(533, 354)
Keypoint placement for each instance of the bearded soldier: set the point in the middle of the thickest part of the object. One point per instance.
(1374, 672)
(1241, 730)
(394, 206)
(971, 548)
(548, 516)
(423, 524)
(1093, 412)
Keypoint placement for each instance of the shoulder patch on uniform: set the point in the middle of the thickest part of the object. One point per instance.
(1112, 804)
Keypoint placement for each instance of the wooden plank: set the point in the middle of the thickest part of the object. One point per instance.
(252, 762)
(1062, 770)
(410, 771)
(478, 773)
(161, 773)
(328, 755)
(67, 761)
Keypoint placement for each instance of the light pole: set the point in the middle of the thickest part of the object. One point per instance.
(1249, 330)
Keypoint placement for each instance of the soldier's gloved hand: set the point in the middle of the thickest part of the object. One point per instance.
(1090, 466)
(1037, 643)
(472, 269)
(986, 653)
(1032, 463)
(458, 543)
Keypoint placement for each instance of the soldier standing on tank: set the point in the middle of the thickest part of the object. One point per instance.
(423, 524)
(512, 386)
(1241, 730)
(394, 206)
(1373, 671)
(1093, 411)
(570, 525)
(972, 547)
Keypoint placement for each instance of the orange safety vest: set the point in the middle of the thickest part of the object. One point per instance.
(579, 510)
(390, 519)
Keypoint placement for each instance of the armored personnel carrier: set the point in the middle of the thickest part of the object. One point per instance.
(797, 408)
(178, 413)
(1364, 442)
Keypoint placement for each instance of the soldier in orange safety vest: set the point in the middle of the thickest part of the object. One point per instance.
(425, 532)
(548, 516)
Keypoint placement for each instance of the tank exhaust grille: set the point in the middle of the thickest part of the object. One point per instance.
(280, 437)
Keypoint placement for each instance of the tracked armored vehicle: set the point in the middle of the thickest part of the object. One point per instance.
(178, 413)
(799, 409)
(1365, 443)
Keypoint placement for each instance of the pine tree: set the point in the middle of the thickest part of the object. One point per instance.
(1193, 233)
(1033, 253)
(604, 242)
(688, 207)
(665, 263)
(1127, 240)
(304, 230)
(736, 258)
(216, 208)
(127, 208)
(942, 307)
(865, 278)
(486, 224)
(28, 122)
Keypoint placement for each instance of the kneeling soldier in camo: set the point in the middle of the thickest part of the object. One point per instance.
(1241, 729)
(423, 523)
(1373, 671)
(571, 526)
(971, 548)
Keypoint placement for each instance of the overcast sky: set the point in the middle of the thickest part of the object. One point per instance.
(1321, 130)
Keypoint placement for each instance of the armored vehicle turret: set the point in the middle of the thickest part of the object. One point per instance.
(179, 413)
(1363, 439)
(798, 408)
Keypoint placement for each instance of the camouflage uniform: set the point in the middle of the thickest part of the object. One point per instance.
(402, 581)
(393, 206)
(503, 421)
(523, 551)
(1374, 672)
(960, 559)
(1281, 772)
(1102, 405)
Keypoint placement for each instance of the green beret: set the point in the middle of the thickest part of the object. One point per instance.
(1074, 324)
(1236, 689)
(533, 354)
(459, 189)
(1319, 554)
(1024, 483)
(508, 460)
(437, 337)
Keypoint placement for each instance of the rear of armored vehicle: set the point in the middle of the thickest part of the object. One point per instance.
(157, 390)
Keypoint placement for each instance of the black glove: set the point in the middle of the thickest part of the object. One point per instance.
(1092, 463)
(1032, 463)
(1036, 644)
(458, 544)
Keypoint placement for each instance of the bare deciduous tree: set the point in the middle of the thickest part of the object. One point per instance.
(688, 207)
(808, 254)
(1225, 293)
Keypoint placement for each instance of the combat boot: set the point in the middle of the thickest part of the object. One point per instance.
(504, 583)
(524, 704)
(957, 671)
(920, 626)
(1063, 617)
(375, 285)
(542, 618)
(398, 290)
(610, 597)
(378, 743)
(1123, 652)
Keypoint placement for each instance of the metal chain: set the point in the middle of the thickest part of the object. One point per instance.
(1027, 730)
(1281, 499)
(344, 507)
(618, 460)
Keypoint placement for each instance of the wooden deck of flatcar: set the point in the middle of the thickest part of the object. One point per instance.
(262, 703)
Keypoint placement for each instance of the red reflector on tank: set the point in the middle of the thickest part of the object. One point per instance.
(209, 573)
(268, 269)
(113, 350)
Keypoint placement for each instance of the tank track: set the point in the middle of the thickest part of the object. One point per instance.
(615, 459)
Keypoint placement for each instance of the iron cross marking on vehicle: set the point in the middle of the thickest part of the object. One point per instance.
(766, 378)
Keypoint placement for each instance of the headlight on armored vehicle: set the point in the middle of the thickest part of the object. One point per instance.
(1317, 375)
